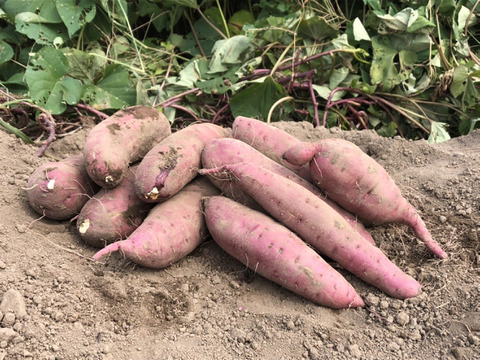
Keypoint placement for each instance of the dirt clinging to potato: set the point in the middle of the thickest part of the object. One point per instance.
(56, 303)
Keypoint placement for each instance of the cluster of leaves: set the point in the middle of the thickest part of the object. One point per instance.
(408, 68)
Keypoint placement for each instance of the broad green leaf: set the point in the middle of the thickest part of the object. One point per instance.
(6, 52)
(114, 91)
(86, 66)
(317, 29)
(375, 5)
(75, 14)
(219, 84)
(233, 51)
(407, 20)
(237, 20)
(460, 75)
(385, 70)
(447, 7)
(388, 130)
(44, 34)
(256, 100)
(43, 8)
(324, 92)
(438, 133)
(47, 83)
(359, 32)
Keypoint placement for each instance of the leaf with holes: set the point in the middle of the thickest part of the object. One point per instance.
(47, 82)
(114, 91)
(76, 14)
(390, 65)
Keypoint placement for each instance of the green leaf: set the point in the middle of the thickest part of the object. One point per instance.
(75, 14)
(317, 29)
(447, 7)
(6, 52)
(47, 83)
(233, 51)
(388, 130)
(238, 19)
(359, 32)
(256, 100)
(86, 66)
(45, 9)
(42, 33)
(460, 75)
(438, 133)
(407, 20)
(385, 69)
(114, 91)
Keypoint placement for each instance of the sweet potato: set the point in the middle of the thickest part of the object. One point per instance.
(269, 140)
(123, 138)
(172, 229)
(219, 152)
(270, 249)
(174, 162)
(112, 214)
(321, 226)
(58, 190)
(360, 184)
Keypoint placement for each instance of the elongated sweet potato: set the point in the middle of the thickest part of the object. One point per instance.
(269, 140)
(219, 152)
(321, 226)
(112, 214)
(174, 162)
(276, 253)
(361, 185)
(123, 138)
(59, 189)
(172, 229)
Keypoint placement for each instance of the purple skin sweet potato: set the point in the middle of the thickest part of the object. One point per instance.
(58, 190)
(269, 140)
(112, 214)
(120, 140)
(174, 162)
(276, 253)
(361, 185)
(322, 227)
(219, 152)
(171, 231)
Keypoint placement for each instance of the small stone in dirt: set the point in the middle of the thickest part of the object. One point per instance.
(372, 299)
(6, 335)
(443, 219)
(290, 325)
(8, 320)
(459, 353)
(354, 351)
(384, 304)
(402, 318)
(13, 302)
(3, 266)
(472, 320)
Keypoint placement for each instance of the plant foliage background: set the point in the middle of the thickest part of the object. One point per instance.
(408, 68)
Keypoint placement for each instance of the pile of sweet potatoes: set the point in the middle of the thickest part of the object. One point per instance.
(272, 202)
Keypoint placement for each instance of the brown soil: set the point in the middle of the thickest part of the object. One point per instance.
(59, 304)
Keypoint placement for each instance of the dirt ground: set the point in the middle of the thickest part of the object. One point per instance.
(59, 304)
